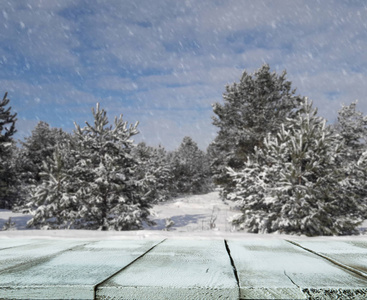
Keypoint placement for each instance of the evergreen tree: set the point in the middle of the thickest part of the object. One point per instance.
(352, 127)
(38, 147)
(7, 124)
(35, 150)
(296, 182)
(100, 189)
(253, 108)
(54, 201)
(190, 168)
(154, 165)
(7, 147)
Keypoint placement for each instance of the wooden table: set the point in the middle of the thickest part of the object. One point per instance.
(182, 269)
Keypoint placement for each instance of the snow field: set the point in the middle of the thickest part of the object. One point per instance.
(194, 213)
(192, 217)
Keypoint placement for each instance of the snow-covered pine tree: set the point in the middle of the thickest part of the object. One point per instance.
(352, 124)
(7, 147)
(352, 127)
(7, 123)
(154, 166)
(165, 175)
(252, 108)
(94, 186)
(296, 182)
(35, 150)
(357, 181)
(190, 167)
(54, 199)
(38, 147)
(111, 195)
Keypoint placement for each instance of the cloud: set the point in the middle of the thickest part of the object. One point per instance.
(115, 83)
(24, 128)
(170, 132)
(33, 35)
(165, 62)
(330, 90)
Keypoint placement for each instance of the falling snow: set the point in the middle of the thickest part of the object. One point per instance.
(165, 63)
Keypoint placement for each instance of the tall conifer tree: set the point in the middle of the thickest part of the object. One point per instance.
(296, 182)
(190, 168)
(252, 108)
(7, 174)
(352, 127)
(100, 188)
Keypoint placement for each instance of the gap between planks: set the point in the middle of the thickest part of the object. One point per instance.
(125, 267)
(233, 266)
(341, 265)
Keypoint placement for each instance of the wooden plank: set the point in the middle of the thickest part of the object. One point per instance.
(32, 252)
(352, 253)
(72, 274)
(276, 269)
(176, 269)
(10, 242)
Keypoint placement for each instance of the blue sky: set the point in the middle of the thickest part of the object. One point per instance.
(163, 63)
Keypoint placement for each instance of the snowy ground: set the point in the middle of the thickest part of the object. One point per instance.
(201, 216)
(19, 219)
(194, 213)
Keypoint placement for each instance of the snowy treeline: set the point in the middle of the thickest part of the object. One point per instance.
(288, 171)
(96, 177)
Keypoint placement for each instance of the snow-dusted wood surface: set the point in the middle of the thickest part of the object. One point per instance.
(277, 269)
(182, 269)
(176, 269)
(70, 273)
(350, 254)
(30, 252)
(10, 243)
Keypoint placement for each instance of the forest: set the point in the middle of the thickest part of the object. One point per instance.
(287, 169)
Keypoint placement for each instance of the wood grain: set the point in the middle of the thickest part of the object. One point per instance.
(176, 269)
(71, 274)
(275, 269)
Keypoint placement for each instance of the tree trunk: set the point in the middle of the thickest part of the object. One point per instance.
(104, 214)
